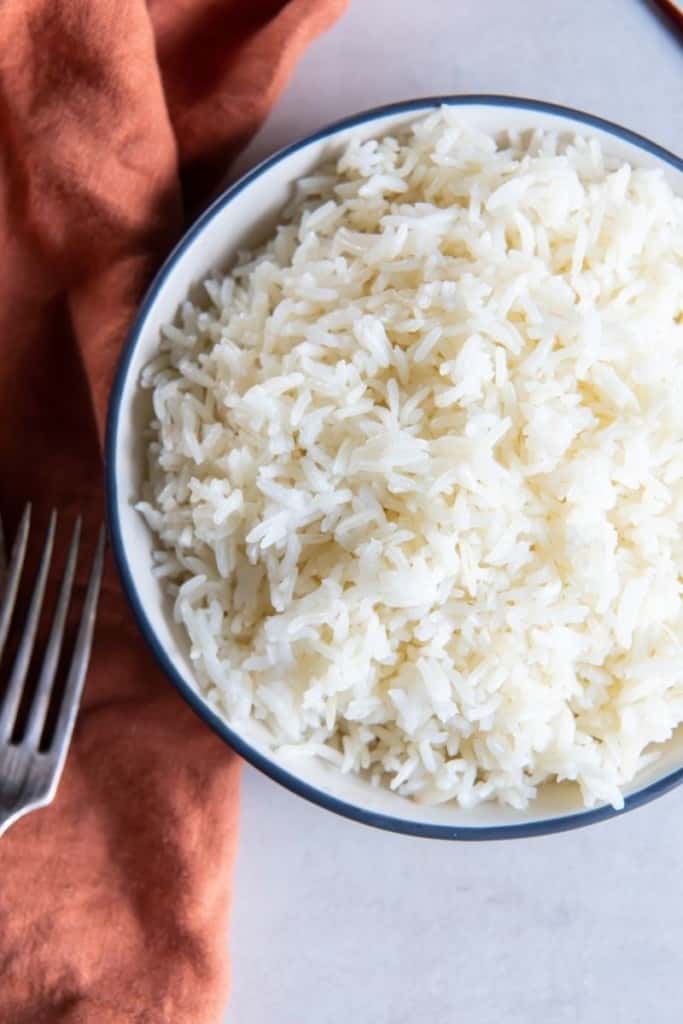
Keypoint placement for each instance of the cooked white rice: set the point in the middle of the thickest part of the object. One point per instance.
(416, 468)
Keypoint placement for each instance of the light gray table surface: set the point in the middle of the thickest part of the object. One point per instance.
(333, 922)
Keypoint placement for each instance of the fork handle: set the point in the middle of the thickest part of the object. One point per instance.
(9, 817)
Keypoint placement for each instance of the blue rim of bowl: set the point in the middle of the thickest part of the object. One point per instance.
(526, 829)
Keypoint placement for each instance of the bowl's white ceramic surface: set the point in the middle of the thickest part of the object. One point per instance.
(241, 217)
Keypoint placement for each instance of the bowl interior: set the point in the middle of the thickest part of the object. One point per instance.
(242, 217)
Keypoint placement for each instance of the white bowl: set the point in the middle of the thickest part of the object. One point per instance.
(242, 216)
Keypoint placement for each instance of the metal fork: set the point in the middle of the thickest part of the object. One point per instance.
(30, 770)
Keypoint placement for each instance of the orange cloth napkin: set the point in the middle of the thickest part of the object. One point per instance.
(114, 116)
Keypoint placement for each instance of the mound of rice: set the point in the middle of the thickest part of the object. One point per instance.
(416, 468)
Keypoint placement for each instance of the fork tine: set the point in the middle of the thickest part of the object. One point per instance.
(12, 698)
(41, 699)
(79, 661)
(14, 575)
